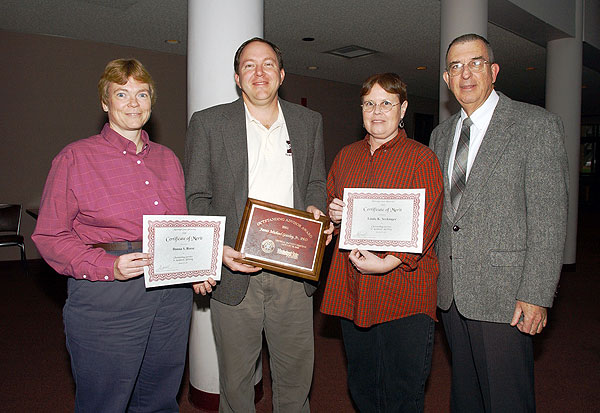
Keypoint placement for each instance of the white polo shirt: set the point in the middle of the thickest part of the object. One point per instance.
(270, 168)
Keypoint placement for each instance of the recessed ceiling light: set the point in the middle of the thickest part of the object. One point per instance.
(312, 67)
(308, 39)
(351, 51)
(421, 67)
(172, 41)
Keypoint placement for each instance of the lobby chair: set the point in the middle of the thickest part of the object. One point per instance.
(10, 227)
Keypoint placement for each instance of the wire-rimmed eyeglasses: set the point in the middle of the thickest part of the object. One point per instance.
(475, 66)
(384, 106)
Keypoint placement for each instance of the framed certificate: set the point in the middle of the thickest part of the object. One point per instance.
(383, 219)
(282, 239)
(185, 248)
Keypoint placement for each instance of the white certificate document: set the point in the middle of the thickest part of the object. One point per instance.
(186, 248)
(383, 219)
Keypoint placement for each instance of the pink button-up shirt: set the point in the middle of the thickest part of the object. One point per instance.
(96, 192)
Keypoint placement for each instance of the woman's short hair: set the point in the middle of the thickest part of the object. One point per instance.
(119, 71)
(390, 82)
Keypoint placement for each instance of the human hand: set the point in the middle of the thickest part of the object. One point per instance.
(534, 319)
(229, 256)
(131, 265)
(316, 214)
(368, 263)
(335, 210)
(204, 287)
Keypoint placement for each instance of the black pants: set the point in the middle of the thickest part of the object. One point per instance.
(388, 363)
(492, 366)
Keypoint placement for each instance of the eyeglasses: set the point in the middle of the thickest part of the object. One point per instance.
(385, 106)
(475, 66)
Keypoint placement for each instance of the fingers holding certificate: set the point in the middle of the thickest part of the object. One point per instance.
(383, 219)
(185, 248)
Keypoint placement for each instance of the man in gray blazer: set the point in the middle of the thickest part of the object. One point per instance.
(262, 147)
(501, 242)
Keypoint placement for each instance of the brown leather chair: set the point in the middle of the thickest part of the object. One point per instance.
(10, 227)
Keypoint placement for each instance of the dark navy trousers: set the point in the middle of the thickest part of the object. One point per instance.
(127, 344)
(388, 363)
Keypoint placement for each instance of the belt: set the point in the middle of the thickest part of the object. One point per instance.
(119, 246)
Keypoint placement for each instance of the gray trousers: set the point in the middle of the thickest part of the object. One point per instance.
(281, 308)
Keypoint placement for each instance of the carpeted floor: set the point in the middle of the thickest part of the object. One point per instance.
(35, 374)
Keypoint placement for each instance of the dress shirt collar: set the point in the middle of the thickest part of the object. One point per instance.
(279, 122)
(483, 114)
(123, 144)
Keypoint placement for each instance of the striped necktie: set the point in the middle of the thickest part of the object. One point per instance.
(459, 171)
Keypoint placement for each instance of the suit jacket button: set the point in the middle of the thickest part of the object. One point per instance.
(451, 258)
(455, 228)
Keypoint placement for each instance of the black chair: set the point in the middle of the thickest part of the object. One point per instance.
(10, 227)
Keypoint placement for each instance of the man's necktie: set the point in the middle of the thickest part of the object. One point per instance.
(459, 171)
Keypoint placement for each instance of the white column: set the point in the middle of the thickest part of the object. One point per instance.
(215, 30)
(458, 17)
(564, 61)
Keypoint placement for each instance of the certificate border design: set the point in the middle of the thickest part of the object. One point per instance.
(414, 241)
(152, 225)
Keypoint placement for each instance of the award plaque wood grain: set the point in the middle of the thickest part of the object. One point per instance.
(282, 239)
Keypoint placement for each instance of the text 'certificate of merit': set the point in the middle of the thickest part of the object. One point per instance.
(383, 219)
(186, 248)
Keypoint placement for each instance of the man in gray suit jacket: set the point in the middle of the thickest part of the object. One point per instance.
(501, 242)
(262, 147)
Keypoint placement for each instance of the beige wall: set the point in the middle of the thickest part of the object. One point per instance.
(49, 99)
(339, 103)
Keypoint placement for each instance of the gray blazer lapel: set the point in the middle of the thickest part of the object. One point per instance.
(235, 141)
(493, 145)
(298, 139)
(451, 128)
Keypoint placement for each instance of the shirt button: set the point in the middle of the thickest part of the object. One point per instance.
(124, 152)
(155, 202)
(147, 183)
(84, 276)
(455, 228)
(139, 162)
(106, 277)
